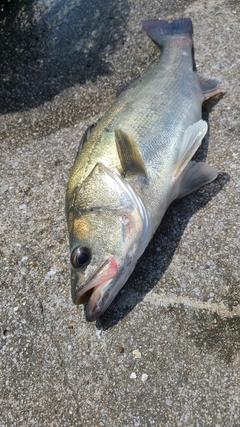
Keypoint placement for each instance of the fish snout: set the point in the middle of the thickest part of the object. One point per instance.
(91, 292)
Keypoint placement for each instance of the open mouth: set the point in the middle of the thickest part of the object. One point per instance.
(91, 292)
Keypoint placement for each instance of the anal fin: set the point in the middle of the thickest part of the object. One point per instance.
(195, 175)
(129, 154)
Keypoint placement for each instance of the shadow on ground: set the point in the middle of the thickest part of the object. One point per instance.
(166, 239)
(148, 271)
(47, 47)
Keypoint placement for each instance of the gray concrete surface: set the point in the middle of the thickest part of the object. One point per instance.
(166, 353)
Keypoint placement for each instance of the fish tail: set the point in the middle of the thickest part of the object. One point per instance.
(159, 30)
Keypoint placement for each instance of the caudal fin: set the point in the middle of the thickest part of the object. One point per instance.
(158, 30)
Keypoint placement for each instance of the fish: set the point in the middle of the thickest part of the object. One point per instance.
(133, 164)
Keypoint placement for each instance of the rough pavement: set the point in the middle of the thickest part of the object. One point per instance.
(167, 351)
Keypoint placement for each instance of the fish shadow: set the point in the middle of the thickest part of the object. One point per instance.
(151, 267)
(46, 49)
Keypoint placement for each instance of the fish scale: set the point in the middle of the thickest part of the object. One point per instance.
(133, 164)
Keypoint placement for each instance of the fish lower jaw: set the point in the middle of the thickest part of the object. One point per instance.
(95, 306)
(102, 276)
(82, 298)
(93, 293)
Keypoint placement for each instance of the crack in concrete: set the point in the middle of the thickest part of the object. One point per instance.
(164, 300)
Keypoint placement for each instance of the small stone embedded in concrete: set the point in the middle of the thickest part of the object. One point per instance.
(23, 206)
(120, 349)
(144, 377)
(133, 376)
(99, 333)
(137, 354)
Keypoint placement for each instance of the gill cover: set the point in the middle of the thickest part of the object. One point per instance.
(108, 219)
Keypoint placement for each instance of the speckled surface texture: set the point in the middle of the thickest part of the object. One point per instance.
(166, 353)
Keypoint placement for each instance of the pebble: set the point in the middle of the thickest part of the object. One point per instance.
(137, 354)
(144, 377)
(133, 376)
(120, 349)
(23, 206)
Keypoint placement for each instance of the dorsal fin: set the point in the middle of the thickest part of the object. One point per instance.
(129, 154)
(85, 137)
(127, 85)
(210, 87)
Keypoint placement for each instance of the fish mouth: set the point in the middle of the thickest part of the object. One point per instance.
(91, 293)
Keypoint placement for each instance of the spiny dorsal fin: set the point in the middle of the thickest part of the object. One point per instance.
(129, 154)
(126, 85)
(85, 137)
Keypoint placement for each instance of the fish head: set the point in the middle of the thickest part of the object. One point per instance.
(107, 229)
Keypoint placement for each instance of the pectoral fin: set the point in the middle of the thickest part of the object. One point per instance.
(129, 154)
(193, 177)
(191, 141)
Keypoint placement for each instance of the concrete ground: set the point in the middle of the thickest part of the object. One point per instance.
(166, 353)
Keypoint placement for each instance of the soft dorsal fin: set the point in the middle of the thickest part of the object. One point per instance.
(129, 154)
(210, 87)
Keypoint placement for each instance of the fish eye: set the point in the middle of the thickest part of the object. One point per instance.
(80, 256)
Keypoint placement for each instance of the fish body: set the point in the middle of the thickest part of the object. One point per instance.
(133, 164)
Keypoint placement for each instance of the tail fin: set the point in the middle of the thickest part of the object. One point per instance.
(158, 30)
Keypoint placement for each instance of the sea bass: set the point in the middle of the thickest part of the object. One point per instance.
(133, 164)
